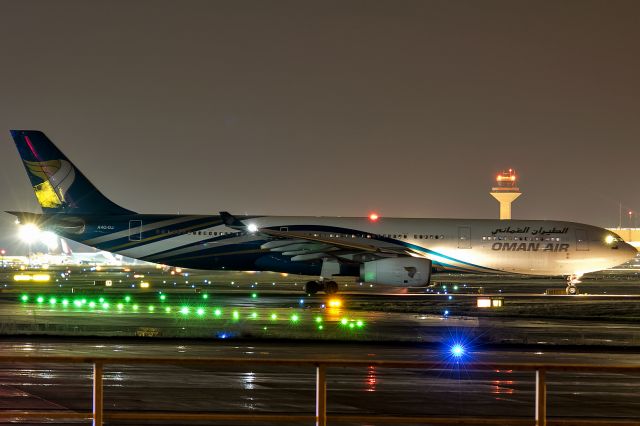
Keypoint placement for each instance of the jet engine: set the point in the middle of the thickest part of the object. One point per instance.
(397, 271)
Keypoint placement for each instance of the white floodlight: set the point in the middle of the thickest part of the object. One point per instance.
(29, 233)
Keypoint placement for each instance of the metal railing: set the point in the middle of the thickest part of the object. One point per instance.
(98, 415)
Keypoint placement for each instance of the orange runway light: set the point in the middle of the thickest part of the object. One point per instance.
(335, 303)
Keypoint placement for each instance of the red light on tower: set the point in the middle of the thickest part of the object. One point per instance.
(373, 217)
(506, 179)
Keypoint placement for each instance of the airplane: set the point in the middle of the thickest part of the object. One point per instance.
(399, 252)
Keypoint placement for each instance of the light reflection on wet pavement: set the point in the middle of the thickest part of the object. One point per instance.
(372, 390)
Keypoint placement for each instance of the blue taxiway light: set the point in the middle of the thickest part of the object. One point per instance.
(457, 350)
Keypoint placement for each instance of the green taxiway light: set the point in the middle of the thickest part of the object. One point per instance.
(120, 306)
(40, 299)
(135, 307)
(254, 295)
(163, 297)
(101, 300)
(320, 327)
(65, 302)
(167, 309)
(200, 311)
(344, 321)
(83, 301)
(105, 305)
(274, 317)
(217, 312)
(184, 310)
(92, 304)
(295, 318)
(127, 299)
(205, 296)
(77, 303)
(53, 300)
(236, 315)
(24, 297)
(359, 323)
(351, 325)
(254, 315)
(318, 319)
(151, 308)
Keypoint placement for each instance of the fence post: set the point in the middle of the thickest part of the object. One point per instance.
(321, 396)
(541, 398)
(97, 394)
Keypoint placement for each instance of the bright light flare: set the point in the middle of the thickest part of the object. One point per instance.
(29, 232)
(252, 227)
(335, 303)
(457, 350)
(373, 217)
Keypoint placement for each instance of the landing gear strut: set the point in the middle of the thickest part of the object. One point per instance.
(572, 281)
(329, 287)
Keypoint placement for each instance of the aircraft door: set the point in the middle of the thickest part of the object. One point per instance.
(464, 237)
(582, 243)
(135, 230)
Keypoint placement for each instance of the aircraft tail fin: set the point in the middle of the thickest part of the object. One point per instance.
(59, 186)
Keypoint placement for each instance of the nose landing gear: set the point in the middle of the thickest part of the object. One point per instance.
(572, 282)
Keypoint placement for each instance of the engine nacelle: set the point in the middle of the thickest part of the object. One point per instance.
(397, 271)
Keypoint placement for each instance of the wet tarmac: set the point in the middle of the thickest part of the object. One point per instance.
(446, 391)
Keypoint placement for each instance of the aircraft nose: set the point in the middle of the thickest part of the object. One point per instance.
(628, 252)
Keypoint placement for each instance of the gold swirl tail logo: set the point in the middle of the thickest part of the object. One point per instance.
(57, 177)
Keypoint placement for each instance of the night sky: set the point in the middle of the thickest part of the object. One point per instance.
(329, 108)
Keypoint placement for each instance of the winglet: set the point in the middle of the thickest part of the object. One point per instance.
(231, 221)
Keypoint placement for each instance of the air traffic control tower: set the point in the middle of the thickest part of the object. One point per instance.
(506, 191)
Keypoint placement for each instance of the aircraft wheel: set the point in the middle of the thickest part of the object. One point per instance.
(572, 290)
(312, 287)
(331, 287)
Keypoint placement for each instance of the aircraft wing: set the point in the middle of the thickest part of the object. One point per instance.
(303, 246)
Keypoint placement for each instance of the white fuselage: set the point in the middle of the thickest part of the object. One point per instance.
(469, 245)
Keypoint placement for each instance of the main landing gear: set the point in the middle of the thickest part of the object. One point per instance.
(329, 287)
(572, 282)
